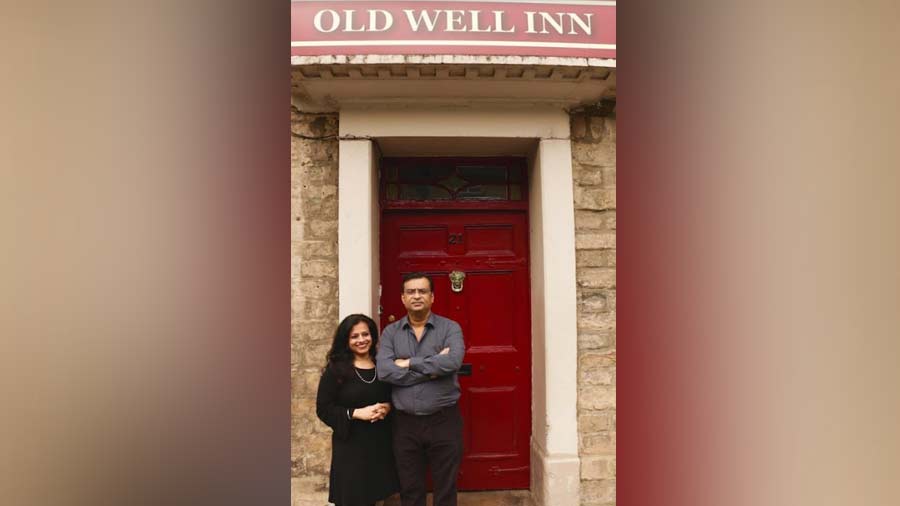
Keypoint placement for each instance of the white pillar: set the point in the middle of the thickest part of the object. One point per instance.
(358, 275)
(555, 461)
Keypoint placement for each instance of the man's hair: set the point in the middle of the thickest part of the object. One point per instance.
(416, 275)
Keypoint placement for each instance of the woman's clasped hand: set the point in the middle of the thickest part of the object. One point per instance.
(373, 412)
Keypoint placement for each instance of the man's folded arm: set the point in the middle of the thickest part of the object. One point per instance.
(390, 372)
(443, 364)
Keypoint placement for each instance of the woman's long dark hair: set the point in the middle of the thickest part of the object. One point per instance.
(340, 358)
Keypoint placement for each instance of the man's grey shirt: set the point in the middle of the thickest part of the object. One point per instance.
(430, 383)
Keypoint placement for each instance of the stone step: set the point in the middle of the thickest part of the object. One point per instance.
(484, 498)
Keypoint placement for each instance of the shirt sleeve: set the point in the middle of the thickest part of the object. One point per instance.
(327, 408)
(390, 372)
(442, 365)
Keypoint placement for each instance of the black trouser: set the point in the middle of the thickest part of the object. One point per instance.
(434, 439)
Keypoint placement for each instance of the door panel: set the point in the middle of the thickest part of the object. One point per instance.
(493, 309)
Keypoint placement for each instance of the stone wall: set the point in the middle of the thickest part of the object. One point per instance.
(314, 295)
(594, 172)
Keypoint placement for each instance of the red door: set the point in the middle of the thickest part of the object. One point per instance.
(493, 308)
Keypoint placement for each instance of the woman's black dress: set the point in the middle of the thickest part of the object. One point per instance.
(362, 460)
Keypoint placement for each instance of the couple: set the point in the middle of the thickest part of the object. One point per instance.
(397, 408)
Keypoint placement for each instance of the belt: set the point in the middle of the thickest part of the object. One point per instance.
(439, 411)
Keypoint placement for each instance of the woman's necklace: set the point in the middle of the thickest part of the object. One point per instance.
(358, 375)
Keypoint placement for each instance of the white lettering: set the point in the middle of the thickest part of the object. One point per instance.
(423, 15)
(454, 19)
(373, 20)
(498, 23)
(348, 22)
(475, 15)
(530, 19)
(381, 20)
(335, 20)
(556, 24)
(586, 26)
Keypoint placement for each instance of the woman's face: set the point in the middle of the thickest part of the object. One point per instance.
(360, 340)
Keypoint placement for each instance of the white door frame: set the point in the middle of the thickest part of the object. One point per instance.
(555, 465)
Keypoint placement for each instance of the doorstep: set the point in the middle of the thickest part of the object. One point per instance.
(484, 498)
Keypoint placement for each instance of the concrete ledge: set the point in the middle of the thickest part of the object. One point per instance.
(394, 59)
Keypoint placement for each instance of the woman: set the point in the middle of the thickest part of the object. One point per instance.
(354, 404)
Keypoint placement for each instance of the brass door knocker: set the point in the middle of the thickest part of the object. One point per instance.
(456, 280)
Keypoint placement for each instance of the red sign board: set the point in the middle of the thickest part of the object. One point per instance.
(576, 28)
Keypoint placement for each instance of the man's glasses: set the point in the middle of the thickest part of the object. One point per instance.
(413, 291)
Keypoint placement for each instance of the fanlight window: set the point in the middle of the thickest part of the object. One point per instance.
(435, 179)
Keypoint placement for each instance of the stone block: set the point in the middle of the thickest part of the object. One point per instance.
(307, 379)
(314, 354)
(597, 240)
(599, 492)
(595, 368)
(610, 296)
(603, 129)
(319, 191)
(317, 465)
(319, 208)
(302, 406)
(318, 269)
(305, 332)
(579, 128)
(295, 267)
(306, 498)
(593, 300)
(597, 443)
(609, 177)
(595, 421)
(320, 230)
(595, 220)
(313, 446)
(596, 277)
(298, 227)
(598, 199)
(310, 500)
(298, 467)
(595, 258)
(318, 288)
(596, 322)
(316, 125)
(317, 309)
(603, 154)
(596, 341)
(598, 467)
(587, 175)
(315, 249)
(317, 151)
(589, 378)
(309, 171)
(596, 360)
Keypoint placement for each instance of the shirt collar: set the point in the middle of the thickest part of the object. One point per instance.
(404, 323)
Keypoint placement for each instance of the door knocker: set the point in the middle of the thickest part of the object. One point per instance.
(456, 280)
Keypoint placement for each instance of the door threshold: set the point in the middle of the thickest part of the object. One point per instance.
(481, 498)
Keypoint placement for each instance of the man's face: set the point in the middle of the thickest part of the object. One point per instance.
(417, 297)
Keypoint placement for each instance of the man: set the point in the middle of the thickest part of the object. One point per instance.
(420, 355)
